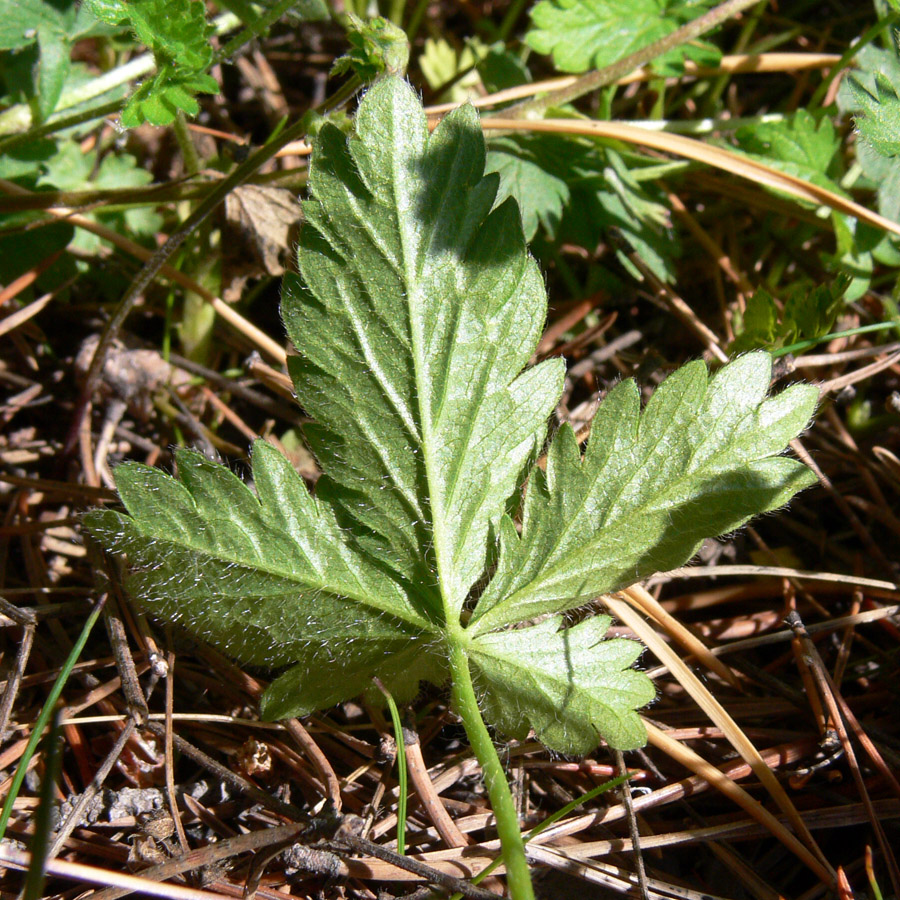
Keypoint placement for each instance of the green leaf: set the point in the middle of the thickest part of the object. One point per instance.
(175, 30)
(416, 310)
(158, 100)
(179, 36)
(414, 314)
(534, 170)
(882, 173)
(879, 122)
(698, 462)
(261, 575)
(23, 20)
(590, 34)
(808, 312)
(570, 685)
(43, 33)
(798, 145)
(52, 71)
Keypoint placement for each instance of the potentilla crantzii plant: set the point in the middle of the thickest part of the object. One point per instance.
(414, 316)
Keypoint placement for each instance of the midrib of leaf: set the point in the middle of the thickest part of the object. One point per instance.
(413, 268)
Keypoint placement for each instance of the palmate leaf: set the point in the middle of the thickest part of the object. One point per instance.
(590, 34)
(414, 314)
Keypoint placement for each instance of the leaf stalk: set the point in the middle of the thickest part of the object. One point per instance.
(466, 705)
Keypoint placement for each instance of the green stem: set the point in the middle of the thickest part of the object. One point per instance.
(60, 123)
(45, 715)
(510, 18)
(466, 706)
(254, 29)
(415, 20)
(186, 144)
(711, 101)
(402, 785)
(395, 14)
(812, 342)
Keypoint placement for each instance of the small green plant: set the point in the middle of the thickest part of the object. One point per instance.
(414, 314)
(178, 34)
(593, 33)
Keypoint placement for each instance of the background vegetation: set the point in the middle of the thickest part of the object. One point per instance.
(734, 185)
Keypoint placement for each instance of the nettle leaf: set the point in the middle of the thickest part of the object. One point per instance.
(414, 314)
(698, 462)
(590, 34)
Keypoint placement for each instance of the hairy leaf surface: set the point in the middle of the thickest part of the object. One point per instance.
(569, 685)
(261, 575)
(699, 462)
(414, 314)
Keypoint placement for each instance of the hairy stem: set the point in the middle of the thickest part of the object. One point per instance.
(254, 30)
(466, 705)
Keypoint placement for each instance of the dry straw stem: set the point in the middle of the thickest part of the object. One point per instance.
(90, 875)
(693, 761)
(733, 64)
(716, 157)
(643, 600)
(735, 735)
